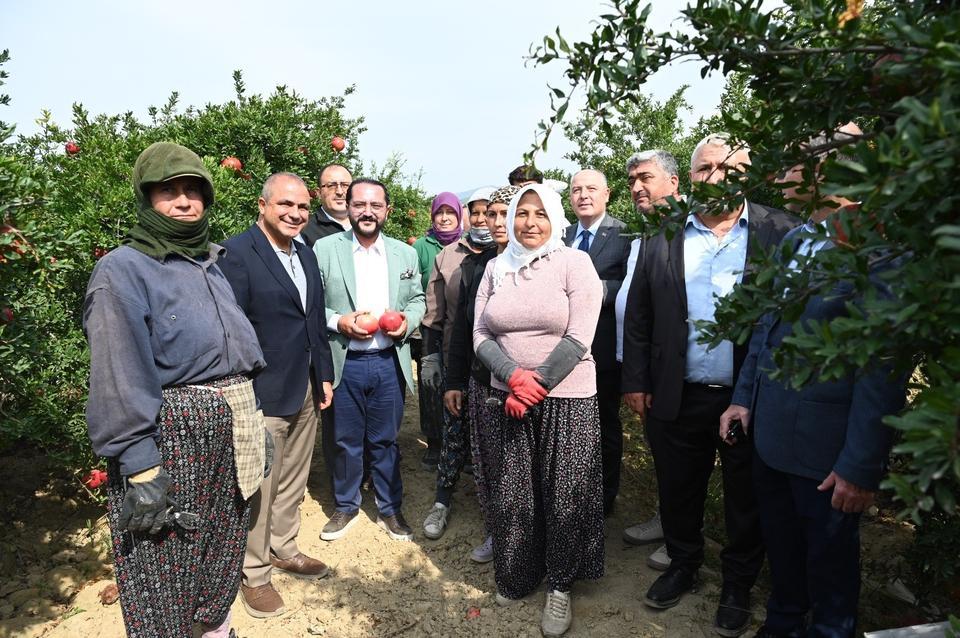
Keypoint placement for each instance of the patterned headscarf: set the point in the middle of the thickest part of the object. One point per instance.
(517, 257)
(503, 195)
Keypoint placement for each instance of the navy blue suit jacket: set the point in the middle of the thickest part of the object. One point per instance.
(293, 339)
(609, 251)
(823, 427)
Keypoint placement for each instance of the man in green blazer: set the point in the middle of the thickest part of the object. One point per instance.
(366, 272)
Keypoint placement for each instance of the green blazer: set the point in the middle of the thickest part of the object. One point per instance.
(335, 257)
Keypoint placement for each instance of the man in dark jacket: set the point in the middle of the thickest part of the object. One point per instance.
(820, 451)
(682, 386)
(331, 217)
(598, 234)
(277, 283)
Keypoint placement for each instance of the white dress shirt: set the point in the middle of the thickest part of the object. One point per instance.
(620, 306)
(372, 285)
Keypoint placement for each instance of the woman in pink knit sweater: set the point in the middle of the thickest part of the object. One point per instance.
(536, 312)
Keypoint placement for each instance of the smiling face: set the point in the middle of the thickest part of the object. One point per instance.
(650, 185)
(445, 218)
(496, 216)
(478, 214)
(180, 198)
(367, 210)
(531, 225)
(284, 215)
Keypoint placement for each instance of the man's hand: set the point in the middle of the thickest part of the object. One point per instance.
(847, 497)
(347, 326)
(400, 332)
(327, 396)
(731, 414)
(453, 401)
(639, 402)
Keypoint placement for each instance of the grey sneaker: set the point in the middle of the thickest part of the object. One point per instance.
(659, 560)
(557, 614)
(436, 522)
(649, 531)
(338, 525)
(483, 553)
(395, 526)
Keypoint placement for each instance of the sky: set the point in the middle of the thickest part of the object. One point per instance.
(444, 84)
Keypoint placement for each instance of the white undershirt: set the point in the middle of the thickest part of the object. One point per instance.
(373, 291)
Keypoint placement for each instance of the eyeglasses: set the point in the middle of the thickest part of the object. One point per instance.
(336, 185)
(374, 206)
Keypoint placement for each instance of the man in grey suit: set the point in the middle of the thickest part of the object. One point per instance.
(598, 234)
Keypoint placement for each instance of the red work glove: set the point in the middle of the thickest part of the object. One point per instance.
(514, 408)
(525, 385)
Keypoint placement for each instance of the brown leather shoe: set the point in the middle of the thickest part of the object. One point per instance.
(301, 566)
(262, 601)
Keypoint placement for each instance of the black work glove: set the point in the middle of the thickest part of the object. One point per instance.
(146, 504)
(268, 448)
(431, 373)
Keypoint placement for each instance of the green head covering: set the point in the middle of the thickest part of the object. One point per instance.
(157, 235)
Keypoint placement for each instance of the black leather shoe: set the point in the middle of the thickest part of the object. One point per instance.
(665, 592)
(766, 632)
(733, 613)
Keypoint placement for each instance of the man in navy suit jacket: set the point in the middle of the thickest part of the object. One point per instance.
(277, 283)
(819, 453)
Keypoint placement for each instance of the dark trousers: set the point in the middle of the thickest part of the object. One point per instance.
(611, 433)
(814, 556)
(684, 453)
(368, 408)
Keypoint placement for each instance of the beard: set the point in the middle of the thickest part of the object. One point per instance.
(355, 225)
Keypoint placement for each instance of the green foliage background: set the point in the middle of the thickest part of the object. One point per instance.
(68, 209)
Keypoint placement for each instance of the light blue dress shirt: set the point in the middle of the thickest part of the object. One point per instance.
(711, 268)
(291, 263)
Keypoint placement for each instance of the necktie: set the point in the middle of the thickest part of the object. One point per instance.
(584, 244)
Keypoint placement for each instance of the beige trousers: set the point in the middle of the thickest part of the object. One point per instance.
(275, 508)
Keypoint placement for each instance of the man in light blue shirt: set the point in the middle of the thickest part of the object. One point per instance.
(681, 386)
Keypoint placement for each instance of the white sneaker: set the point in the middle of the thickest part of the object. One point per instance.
(557, 614)
(436, 522)
(649, 531)
(483, 553)
(660, 559)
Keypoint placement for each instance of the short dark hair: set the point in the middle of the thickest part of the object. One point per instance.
(524, 173)
(368, 180)
(326, 166)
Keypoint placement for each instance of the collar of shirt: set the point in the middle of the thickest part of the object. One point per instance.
(293, 249)
(345, 223)
(593, 227)
(379, 247)
(694, 220)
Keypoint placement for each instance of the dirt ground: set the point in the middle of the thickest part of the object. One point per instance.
(54, 562)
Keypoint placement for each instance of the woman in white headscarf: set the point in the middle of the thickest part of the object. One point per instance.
(536, 313)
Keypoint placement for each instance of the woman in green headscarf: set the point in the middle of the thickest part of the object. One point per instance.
(171, 405)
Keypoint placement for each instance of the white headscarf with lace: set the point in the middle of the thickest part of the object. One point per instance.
(516, 257)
